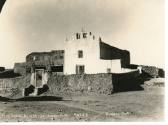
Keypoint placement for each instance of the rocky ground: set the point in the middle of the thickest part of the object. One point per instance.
(145, 105)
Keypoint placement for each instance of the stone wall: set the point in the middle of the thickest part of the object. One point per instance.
(13, 87)
(152, 71)
(85, 84)
(60, 85)
(130, 81)
(66, 85)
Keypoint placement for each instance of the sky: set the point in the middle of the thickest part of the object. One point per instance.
(42, 25)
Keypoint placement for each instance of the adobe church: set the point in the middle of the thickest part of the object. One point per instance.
(84, 53)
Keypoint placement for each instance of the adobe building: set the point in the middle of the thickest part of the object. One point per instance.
(52, 61)
(84, 53)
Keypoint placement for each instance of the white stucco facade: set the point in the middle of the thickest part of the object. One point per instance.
(90, 59)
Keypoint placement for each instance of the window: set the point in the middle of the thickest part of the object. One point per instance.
(108, 70)
(90, 33)
(80, 69)
(57, 68)
(77, 36)
(84, 35)
(80, 54)
(93, 37)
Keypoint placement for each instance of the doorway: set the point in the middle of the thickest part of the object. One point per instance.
(80, 69)
(38, 77)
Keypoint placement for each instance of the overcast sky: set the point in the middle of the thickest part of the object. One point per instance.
(42, 25)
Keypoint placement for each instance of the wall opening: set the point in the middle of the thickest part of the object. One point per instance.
(80, 69)
(84, 35)
(77, 36)
(80, 54)
(38, 75)
(57, 68)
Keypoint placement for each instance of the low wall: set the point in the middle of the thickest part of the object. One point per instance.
(150, 70)
(60, 85)
(75, 84)
(12, 87)
(66, 85)
(130, 81)
(8, 74)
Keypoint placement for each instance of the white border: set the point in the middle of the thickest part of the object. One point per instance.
(120, 123)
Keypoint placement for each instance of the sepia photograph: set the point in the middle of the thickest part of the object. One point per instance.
(82, 61)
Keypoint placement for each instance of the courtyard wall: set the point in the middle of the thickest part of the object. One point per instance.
(60, 85)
